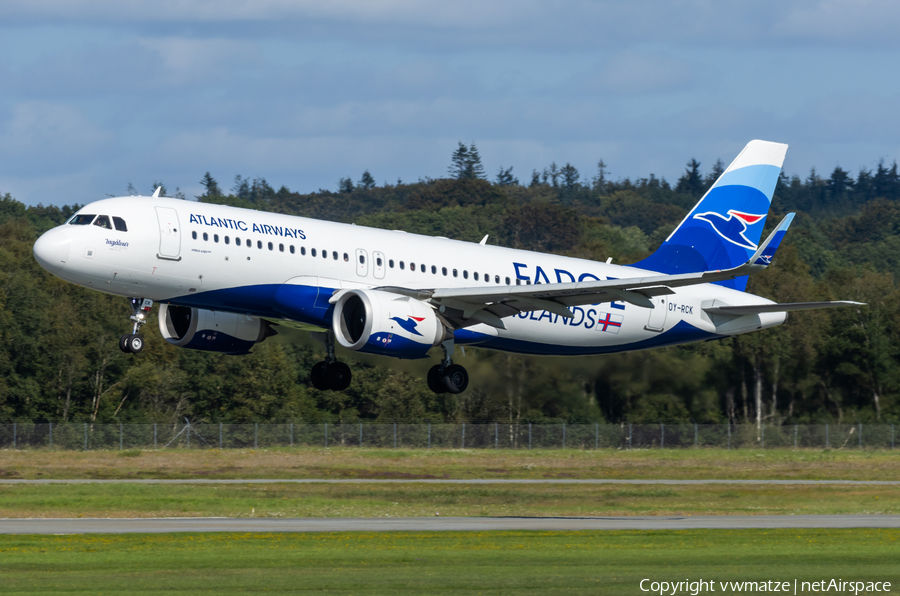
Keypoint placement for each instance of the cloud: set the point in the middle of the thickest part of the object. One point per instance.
(41, 134)
(632, 72)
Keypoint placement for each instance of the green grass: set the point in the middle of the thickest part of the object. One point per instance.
(308, 462)
(570, 563)
(416, 500)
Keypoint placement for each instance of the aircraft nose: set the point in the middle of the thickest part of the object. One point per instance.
(51, 250)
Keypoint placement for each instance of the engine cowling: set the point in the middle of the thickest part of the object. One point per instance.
(212, 331)
(382, 323)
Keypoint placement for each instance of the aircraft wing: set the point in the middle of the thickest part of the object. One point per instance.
(463, 307)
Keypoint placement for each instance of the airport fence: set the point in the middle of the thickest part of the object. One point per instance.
(86, 436)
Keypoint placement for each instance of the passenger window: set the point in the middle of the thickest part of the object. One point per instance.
(194, 235)
(402, 264)
(259, 244)
(362, 261)
(507, 281)
(303, 250)
(271, 246)
(120, 224)
(412, 266)
(518, 282)
(391, 263)
(465, 274)
(444, 271)
(103, 222)
(227, 240)
(455, 274)
(487, 278)
(292, 249)
(281, 248)
(237, 241)
(215, 237)
(334, 255)
(475, 275)
(434, 269)
(312, 252)
(378, 261)
(205, 236)
(82, 220)
(496, 279)
(324, 254)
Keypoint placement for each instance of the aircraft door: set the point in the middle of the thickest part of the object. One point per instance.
(657, 320)
(378, 265)
(362, 263)
(169, 236)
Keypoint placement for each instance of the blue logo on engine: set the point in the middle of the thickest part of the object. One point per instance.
(409, 324)
(733, 226)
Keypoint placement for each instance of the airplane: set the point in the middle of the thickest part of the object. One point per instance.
(225, 277)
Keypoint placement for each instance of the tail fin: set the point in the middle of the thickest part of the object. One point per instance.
(723, 230)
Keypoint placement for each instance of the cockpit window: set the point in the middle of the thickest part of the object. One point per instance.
(83, 219)
(103, 222)
(120, 224)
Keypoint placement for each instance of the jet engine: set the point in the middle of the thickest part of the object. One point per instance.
(378, 322)
(212, 331)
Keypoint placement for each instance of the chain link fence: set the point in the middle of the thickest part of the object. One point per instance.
(85, 436)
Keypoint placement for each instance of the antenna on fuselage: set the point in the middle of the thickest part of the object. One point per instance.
(156, 192)
(484, 240)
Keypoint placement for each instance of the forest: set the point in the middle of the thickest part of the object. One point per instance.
(60, 361)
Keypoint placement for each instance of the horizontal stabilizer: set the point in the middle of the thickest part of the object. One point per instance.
(752, 309)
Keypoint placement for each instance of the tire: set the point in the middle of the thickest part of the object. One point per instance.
(317, 376)
(434, 380)
(455, 378)
(135, 344)
(338, 375)
(123, 344)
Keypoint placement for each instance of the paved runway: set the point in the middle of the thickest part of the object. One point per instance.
(435, 524)
(445, 481)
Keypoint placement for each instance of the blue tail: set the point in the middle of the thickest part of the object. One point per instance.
(723, 230)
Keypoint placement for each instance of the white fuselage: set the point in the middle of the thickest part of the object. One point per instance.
(228, 259)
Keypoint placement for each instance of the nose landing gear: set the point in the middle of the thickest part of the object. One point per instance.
(329, 374)
(134, 343)
(447, 377)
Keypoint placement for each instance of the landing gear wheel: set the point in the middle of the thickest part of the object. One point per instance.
(317, 376)
(338, 375)
(434, 379)
(123, 343)
(134, 343)
(455, 378)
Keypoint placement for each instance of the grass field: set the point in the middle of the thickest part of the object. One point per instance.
(417, 500)
(463, 464)
(438, 563)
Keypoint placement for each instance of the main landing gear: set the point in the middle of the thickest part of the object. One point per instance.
(134, 343)
(329, 374)
(447, 377)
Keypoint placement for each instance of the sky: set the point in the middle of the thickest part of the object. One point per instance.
(97, 94)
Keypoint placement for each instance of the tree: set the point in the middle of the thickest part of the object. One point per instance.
(505, 177)
(570, 176)
(241, 188)
(466, 163)
(600, 178)
(691, 183)
(211, 186)
(367, 181)
(345, 185)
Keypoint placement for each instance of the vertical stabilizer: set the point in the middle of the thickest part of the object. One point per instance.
(723, 230)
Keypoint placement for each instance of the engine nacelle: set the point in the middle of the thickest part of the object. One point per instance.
(382, 323)
(212, 331)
